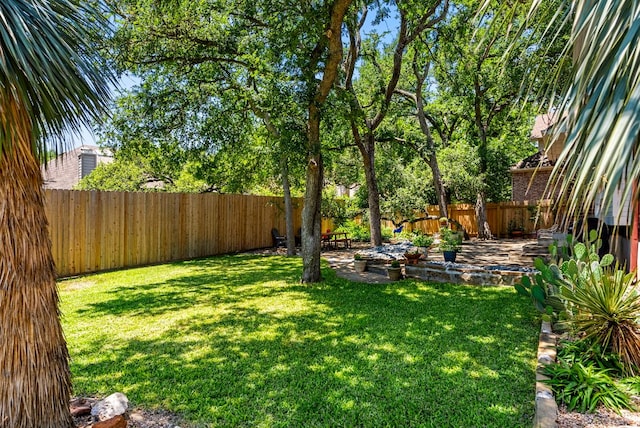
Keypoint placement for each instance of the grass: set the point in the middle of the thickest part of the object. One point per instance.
(238, 341)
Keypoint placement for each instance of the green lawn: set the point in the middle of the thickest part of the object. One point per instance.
(238, 341)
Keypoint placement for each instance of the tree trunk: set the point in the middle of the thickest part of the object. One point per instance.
(311, 217)
(35, 382)
(288, 210)
(484, 231)
(438, 184)
(368, 156)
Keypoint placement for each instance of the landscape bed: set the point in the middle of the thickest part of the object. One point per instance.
(238, 341)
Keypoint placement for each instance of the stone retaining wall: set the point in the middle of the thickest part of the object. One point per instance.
(463, 274)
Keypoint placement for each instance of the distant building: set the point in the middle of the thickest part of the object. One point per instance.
(530, 176)
(66, 170)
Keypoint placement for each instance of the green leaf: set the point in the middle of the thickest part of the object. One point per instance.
(521, 290)
(607, 260)
(539, 264)
(580, 250)
(572, 269)
(538, 293)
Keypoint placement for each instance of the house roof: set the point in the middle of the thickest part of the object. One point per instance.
(65, 171)
(536, 160)
(542, 124)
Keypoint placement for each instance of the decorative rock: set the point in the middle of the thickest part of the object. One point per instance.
(114, 422)
(114, 405)
(79, 407)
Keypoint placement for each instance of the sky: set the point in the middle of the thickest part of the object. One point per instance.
(87, 136)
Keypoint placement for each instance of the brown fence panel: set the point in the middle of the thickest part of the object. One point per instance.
(531, 216)
(95, 231)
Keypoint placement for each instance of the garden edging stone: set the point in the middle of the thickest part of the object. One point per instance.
(546, 408)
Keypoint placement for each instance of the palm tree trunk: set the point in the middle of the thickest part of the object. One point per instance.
(35, 384)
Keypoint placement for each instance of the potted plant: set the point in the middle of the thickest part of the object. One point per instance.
(443, 221)
(359, 264)
(515, 229)
(413, 257)
(394, 271)
(423, 242)
(449, 244)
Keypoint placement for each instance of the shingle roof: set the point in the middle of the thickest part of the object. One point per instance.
(542, 124)
(534, 161)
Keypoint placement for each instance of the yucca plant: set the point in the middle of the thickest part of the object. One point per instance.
(606, 309)
(50, 84)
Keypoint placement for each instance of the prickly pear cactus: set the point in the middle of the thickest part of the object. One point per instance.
(571, 266)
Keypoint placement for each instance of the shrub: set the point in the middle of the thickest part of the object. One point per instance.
(586, 351)
(606, 310)
(585, 386)
(387, 233)
(422, 240)
(356, 232)
(585, 377)
(590, 297)
(449, 240)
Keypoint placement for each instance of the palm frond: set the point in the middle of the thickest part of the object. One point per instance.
(600, 108)
(603, 120)
(49, 67)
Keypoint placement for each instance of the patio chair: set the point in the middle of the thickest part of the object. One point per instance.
(299, 237)
(278, 240)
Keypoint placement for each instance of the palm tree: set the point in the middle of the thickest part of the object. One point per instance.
(602, 105)
(50, 84)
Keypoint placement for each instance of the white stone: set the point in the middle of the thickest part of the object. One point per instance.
(114, 405)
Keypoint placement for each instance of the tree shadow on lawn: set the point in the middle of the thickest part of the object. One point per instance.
(333, 354)
(210, 281)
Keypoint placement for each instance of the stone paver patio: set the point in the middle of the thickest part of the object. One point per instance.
(503, 252)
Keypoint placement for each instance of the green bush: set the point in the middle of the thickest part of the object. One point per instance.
(387, 233)
(590, 297)
(606, 309)
(586, 351)
(449, 240)
(421, 240)
(584, 386)
(356, 232)
(585, 377)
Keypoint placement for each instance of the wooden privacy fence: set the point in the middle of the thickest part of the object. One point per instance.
(499, 216)
(94, 231)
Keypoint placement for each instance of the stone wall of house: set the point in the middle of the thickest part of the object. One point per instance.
(523, 189)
